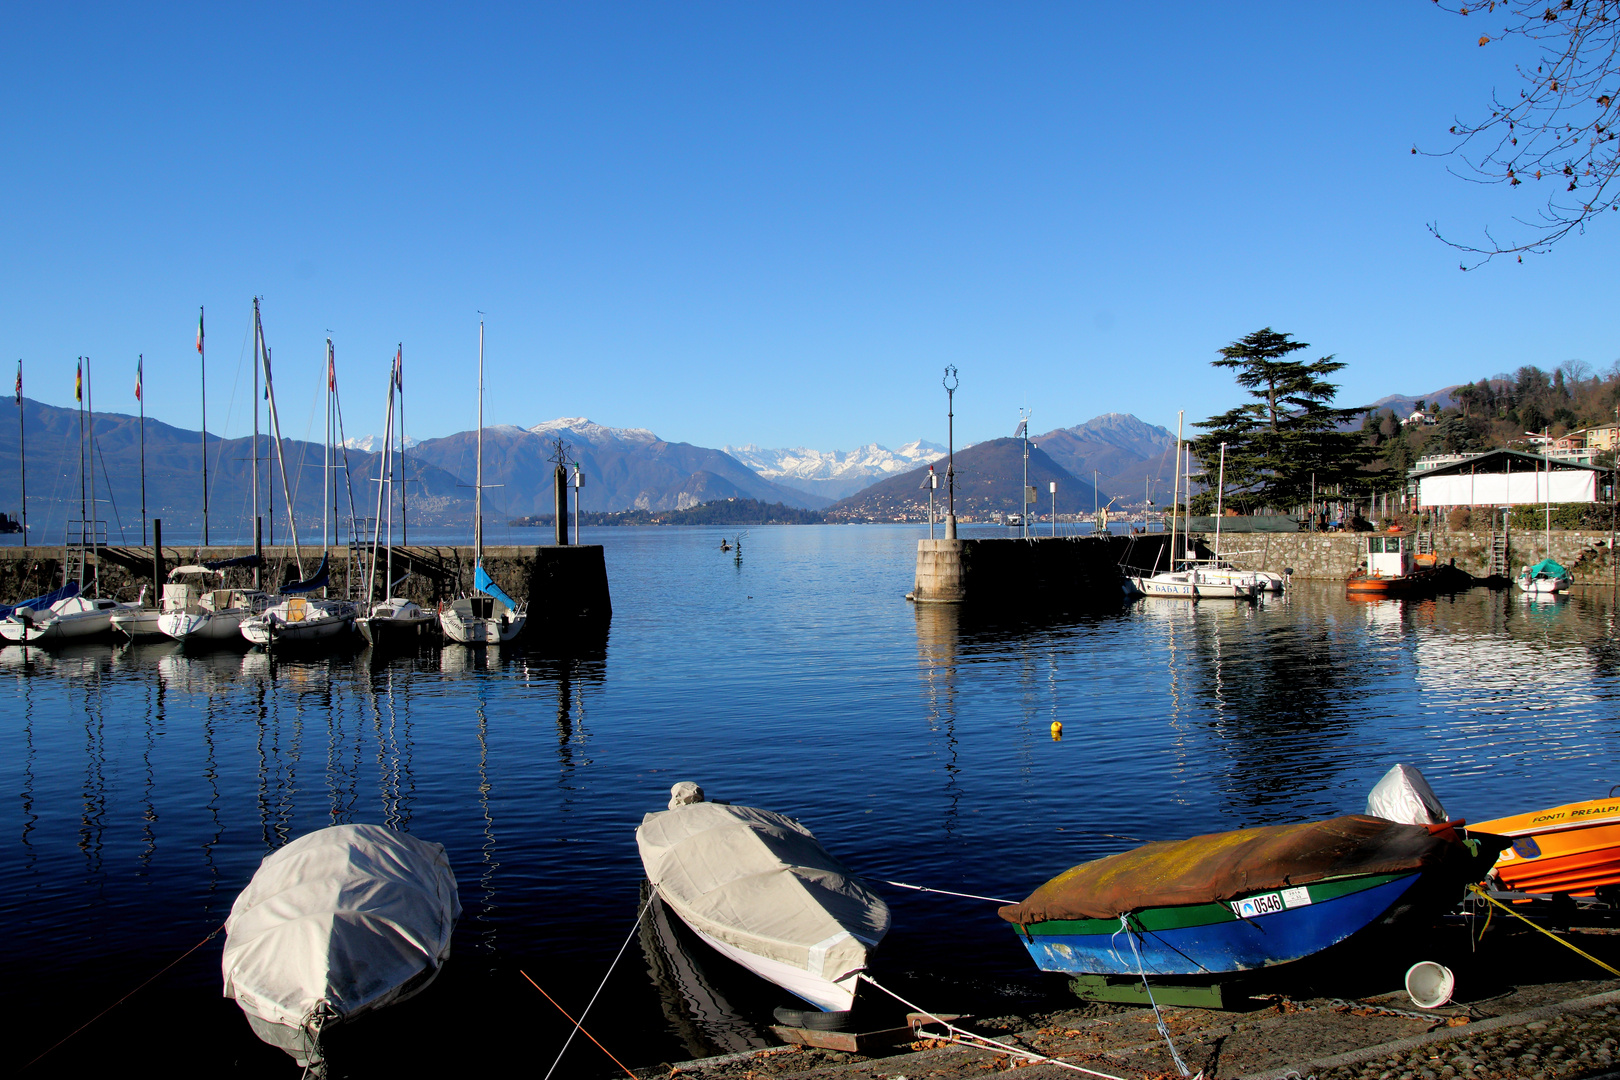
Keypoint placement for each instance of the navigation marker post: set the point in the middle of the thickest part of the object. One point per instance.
(951, 382)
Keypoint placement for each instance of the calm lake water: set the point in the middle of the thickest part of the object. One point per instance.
(144, 784)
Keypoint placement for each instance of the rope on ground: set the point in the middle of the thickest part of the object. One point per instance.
(1158, 1017)
(579, 1025)
(1567, 944)
(127, 996)
(980, 1041)
(946, 892)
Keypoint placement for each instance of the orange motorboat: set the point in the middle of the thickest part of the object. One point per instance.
(1392, 569)
(1572, 849)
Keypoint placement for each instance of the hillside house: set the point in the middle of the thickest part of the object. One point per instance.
(1505, 478)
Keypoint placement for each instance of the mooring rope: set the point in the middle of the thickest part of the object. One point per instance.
(579, 1025)
(945, 892)
(126, 997)
(1158, 1017)
(981, 1041)
(1567, 944)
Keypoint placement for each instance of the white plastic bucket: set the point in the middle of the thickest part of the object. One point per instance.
(1429, 984)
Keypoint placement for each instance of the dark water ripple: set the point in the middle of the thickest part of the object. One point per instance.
(145, 784)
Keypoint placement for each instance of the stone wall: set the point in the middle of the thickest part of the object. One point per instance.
(1332, 556)
(1040, 572)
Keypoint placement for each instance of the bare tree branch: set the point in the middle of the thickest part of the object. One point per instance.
(1558, 131)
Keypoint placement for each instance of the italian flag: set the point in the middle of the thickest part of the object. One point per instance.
(199, 329)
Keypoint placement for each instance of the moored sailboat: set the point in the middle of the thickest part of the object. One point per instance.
(488, 616)
(396, 622)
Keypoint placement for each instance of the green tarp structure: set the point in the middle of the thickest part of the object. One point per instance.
(1548, 568)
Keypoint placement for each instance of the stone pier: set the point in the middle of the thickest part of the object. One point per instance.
(1040, 572)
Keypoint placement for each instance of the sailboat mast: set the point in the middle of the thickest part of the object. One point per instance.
(405, 476)
(89, 407)
(140, 398)
(281, 462)
(388, 466)
(1175, 492)
(328, 493)
(478, 488)
(1220, 491)
(376, 522)
(202, 364)
(258, 352)
(22, 455)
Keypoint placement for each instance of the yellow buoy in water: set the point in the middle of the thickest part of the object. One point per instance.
(1057, 730)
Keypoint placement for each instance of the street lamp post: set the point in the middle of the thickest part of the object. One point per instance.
(951, 382)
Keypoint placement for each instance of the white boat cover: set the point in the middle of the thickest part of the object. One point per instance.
(345, 917)
(1404, 796)
(763, 883)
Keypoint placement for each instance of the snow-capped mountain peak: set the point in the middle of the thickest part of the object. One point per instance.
(585, 431)
(834, 473)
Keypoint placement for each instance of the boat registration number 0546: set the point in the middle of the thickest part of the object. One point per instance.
(1270, 903)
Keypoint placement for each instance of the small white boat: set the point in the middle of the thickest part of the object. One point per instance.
(480, 620)
(760, 889)
(338, 923)
(66, 620)
(1221, 570)
(1196, 583)
(1546, 578)
(397, 623)
(192, 613)
(299, 620)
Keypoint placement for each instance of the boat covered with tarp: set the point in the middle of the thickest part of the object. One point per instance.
(1545, 577)
(1247, 899)
(337, 923)
(758, 887)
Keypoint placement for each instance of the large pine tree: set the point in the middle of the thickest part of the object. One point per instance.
(1289, 433)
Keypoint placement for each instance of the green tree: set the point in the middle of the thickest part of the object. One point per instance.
(1289, 433)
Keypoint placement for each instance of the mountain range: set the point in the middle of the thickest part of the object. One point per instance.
(835, 473)
(1112, 456)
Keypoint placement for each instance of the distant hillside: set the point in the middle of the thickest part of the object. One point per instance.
(719, 512)
(174, 479)
(989, 479)
(1128, 455)
(624, 469)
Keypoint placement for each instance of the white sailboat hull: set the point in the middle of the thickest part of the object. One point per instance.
(299, 621)
(823, 993)
(463, 624)
(70, 619)
(213, 626)
(1191, 586)
(137, 623)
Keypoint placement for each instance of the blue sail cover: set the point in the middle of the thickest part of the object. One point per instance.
(485, 584)
(38, 602)
(314, 582)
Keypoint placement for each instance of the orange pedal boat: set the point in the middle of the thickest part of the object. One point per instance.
(1572, 849)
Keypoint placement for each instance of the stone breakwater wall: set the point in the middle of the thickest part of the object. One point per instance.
(1332, 556)
(557, 581)
(1040, 572)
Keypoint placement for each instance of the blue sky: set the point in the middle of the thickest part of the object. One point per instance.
(766, 223)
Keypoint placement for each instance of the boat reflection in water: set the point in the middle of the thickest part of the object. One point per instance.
(696, 1007)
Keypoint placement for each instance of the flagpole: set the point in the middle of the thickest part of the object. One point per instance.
(22, 455)
(140, 365)
(202, 363)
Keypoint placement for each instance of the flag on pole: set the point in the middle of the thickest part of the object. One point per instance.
(331, 370)
(399, 369)
(19, 382)
(199, 330)
(267, 373)
(78, 384)
(140, 363)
